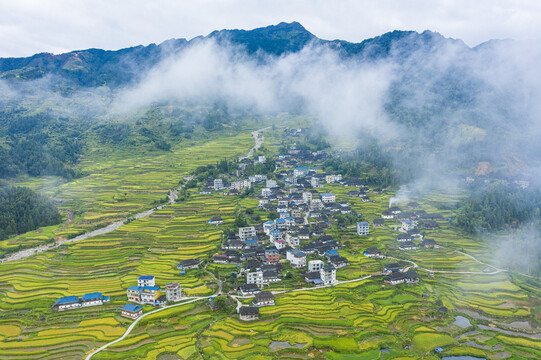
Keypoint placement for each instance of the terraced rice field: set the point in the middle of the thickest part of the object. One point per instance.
(109, 264)
(120, 185)
(349, 321)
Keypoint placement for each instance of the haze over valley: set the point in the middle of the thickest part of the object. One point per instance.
(267, 194)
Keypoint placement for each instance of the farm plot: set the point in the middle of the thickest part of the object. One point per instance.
(109, 264)
(123, 184)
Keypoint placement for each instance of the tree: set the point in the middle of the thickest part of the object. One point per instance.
(23, 210)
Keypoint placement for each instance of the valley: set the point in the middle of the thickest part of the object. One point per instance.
(267, 194)
(359, 313)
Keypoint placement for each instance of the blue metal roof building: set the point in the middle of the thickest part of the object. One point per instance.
(331, 252)
(131, 308)
(92, 296)
(67, 300)
(251, 242)
(155, 288)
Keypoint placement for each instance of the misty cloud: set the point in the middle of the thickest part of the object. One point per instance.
(518, 250)
(345, 95)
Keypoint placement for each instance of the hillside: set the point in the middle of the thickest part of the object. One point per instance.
(268, 194)
(440, 95)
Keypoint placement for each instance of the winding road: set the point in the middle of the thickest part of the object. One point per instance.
(173, 195)
(259, 139)
(130, 328)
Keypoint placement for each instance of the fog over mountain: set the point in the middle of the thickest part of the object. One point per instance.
(436, 96)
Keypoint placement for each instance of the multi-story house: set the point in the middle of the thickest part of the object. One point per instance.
(173, 291)
(247, 232)
(218, 184)
(328, 274)
(363, 228)
(146, 280)
(296, 258)
(328, 198)
(150, 294)
(315, 265)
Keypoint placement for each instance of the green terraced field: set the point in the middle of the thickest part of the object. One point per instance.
(121, 184)
(349, 321)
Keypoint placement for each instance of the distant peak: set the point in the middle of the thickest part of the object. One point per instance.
(292, 25)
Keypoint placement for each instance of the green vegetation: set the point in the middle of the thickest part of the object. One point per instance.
(103, 168)
(23, 210)
(351, 320)
(497, 206)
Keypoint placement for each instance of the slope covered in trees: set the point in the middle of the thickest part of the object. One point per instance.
(22, 210)
(496, 207)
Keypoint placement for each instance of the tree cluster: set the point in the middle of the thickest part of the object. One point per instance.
(496, 207)
(22, 210)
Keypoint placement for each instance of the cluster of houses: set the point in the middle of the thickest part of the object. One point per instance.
(410, 220)
(74, 302)
(258, 250)
(291, 237)
(261, 298)
(147, 293)
(261, 249)
(297, 236)
(410, 224)
(396, 274)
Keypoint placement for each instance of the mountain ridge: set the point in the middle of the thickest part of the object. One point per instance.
(96, 67)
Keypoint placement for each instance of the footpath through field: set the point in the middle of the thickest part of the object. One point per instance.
(128, 331)
(416, 266)
(173, 196)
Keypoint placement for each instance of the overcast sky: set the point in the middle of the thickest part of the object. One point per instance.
(32, 26)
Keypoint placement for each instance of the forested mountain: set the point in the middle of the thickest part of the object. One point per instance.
(448, 101)
(96, 67)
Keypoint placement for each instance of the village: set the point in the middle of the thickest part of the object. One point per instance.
(297, 236)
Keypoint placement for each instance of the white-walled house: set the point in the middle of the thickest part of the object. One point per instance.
(328, 274)
(363, 228)
(247, 232)
(266, 192)
(315, 265)
(146, 280)
(131, 311)
(328, 198)
(268, 227)
(296, 258)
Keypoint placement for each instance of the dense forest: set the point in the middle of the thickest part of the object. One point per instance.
(22, 210)
(32, 146)
(497, 206)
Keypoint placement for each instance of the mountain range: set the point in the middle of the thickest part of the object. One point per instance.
(97, 67)
(451, 101)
